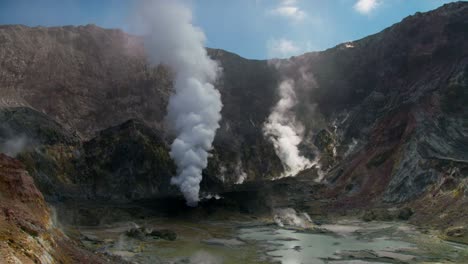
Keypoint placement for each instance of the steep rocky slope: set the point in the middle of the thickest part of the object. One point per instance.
(386, 115)
(47, 150)
(27, 231)
(399, 101)
(88, 79)
(85, 77)
(129, 161)
(122, 163)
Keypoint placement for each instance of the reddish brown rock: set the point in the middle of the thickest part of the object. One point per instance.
(27, 234)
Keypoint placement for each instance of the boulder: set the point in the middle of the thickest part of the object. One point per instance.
(405, 213)
(457, 234)
(379, 214)
(165, 234)
(136, 232)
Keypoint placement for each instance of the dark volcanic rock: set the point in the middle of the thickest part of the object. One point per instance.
(405, 213)
(136, 232)
(163, 234)
(131, 162)
(127, 162)
(37, 128)
(48, 151)
(378, 214)
(418, 66)
(248, 92)
(142, 232)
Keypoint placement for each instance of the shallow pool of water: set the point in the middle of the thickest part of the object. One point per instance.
(296, 247)
(214, 242)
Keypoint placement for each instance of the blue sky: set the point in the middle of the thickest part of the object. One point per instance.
(255, 29)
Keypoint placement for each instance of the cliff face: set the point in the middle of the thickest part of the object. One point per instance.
(397, 91)
(386, 114)
(129, 161)
(27, 231)
(87, 78)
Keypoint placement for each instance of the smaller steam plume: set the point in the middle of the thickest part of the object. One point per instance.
(285, 132)
(242, 176)
(13, 146)
(11, 142)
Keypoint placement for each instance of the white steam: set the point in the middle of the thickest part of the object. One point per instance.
(285, 132)
(13, 146)
(242, 176)
(194, 108)
(351, 147)
(289, 217)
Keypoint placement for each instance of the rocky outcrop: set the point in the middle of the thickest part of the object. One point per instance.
(27, 230)
(128, 162)
(48, 151)
(121, 164)
(389, 92)
(37, 128)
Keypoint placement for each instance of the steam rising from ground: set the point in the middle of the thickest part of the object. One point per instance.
(13, 142)
(242, 176)
(289, 217)
(13, 146)
(286, 132)
(194, 108)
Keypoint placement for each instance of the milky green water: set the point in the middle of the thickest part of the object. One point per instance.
(296, 247)
(261, 243)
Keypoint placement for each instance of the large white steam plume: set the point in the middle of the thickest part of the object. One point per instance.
(286, 132)
(194, 109)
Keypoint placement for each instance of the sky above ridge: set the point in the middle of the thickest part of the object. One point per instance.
(255, 29)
